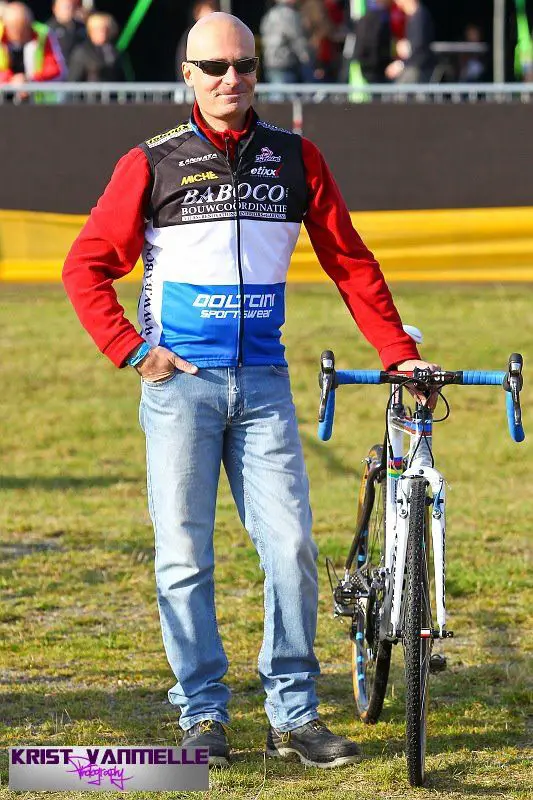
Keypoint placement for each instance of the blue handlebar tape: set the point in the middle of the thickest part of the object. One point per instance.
(325, 429)
(344, 376)
(516, 431)
(483, 378)
(470, 378)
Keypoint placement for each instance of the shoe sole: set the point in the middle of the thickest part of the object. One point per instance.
(342, 761)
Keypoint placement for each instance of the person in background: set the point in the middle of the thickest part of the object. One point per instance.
(397, 22)
(519, 40)
(373, 43)
(416, 61)
(286, 50)
(319, 32)
(200, 9)
(97, 60)
(336, 14)
(69, 30)
(83, 9)
(472, 66)
(29, 50)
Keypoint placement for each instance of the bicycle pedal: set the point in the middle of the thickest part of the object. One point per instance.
(437, 663)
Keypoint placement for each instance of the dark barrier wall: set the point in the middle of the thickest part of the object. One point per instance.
(383, 156)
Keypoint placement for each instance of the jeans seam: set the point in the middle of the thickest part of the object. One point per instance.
(164, 636)
(255, 526)
(151, 506)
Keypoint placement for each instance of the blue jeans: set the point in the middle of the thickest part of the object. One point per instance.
(244, 418)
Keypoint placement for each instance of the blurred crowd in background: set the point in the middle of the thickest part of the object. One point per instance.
(348, 41)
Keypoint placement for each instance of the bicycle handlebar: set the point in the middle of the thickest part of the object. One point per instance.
(515, 427)
(461, 377)
(511, 381)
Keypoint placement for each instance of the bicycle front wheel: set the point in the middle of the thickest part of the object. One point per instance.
(417, 631)
(370, 657)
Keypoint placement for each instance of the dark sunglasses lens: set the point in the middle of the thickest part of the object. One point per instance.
(245, 65)
(218, 68)
(215, 68)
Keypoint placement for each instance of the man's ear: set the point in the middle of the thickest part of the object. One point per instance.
(187, 73)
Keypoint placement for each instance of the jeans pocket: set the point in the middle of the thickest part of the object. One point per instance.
(156, 384)
(279, 369)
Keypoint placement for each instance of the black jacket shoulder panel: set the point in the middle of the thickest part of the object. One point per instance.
(270, 127)
(160, 146)
(172, 133)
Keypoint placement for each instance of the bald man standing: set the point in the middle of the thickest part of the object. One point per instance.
(215, 205)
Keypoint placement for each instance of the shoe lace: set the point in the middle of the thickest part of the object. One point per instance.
(318, 725)
(207, 725)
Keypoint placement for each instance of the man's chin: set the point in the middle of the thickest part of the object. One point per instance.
(229, 108)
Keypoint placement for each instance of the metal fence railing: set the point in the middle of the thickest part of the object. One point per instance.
(296, 94)
(305, 92)
(398, 93)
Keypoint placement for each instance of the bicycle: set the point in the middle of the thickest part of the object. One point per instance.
(386, 589)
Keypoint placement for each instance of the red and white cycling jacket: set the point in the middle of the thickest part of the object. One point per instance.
(216, 217)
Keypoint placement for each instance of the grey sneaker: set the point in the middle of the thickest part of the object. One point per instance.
(211, 734)
(314, 744)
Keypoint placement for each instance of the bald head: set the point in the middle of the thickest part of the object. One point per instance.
(224, 99)
(18, 19)
(213, 34)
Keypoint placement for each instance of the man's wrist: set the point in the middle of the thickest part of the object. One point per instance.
(137, 355)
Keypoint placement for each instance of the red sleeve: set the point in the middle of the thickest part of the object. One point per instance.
(107, 248)
(53, 64)
(349, 263)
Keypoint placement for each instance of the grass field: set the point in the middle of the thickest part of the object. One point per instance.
(82, 661)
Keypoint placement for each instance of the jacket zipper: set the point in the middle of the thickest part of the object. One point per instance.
(235, 184)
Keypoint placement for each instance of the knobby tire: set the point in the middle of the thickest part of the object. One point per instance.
(417, 617)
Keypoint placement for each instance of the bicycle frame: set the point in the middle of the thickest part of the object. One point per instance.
(419, 463)
(385, 592)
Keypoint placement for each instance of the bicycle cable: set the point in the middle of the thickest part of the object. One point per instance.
(448, 409)
(387, 409)
(424, 434)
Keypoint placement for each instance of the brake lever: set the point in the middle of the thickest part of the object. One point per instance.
(515, 394)
(513, 383)
(326, 380)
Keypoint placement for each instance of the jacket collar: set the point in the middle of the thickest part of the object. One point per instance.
(226, 141)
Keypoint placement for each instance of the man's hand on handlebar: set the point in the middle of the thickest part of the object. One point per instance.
(161, 363)
(408, 366)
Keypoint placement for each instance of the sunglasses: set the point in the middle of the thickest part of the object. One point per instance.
(218, 67)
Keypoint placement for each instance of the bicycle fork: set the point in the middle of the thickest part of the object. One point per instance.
(397, 553)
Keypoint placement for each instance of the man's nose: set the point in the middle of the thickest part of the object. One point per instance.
(232, 77)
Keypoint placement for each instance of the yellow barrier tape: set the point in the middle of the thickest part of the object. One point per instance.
(493, 244)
